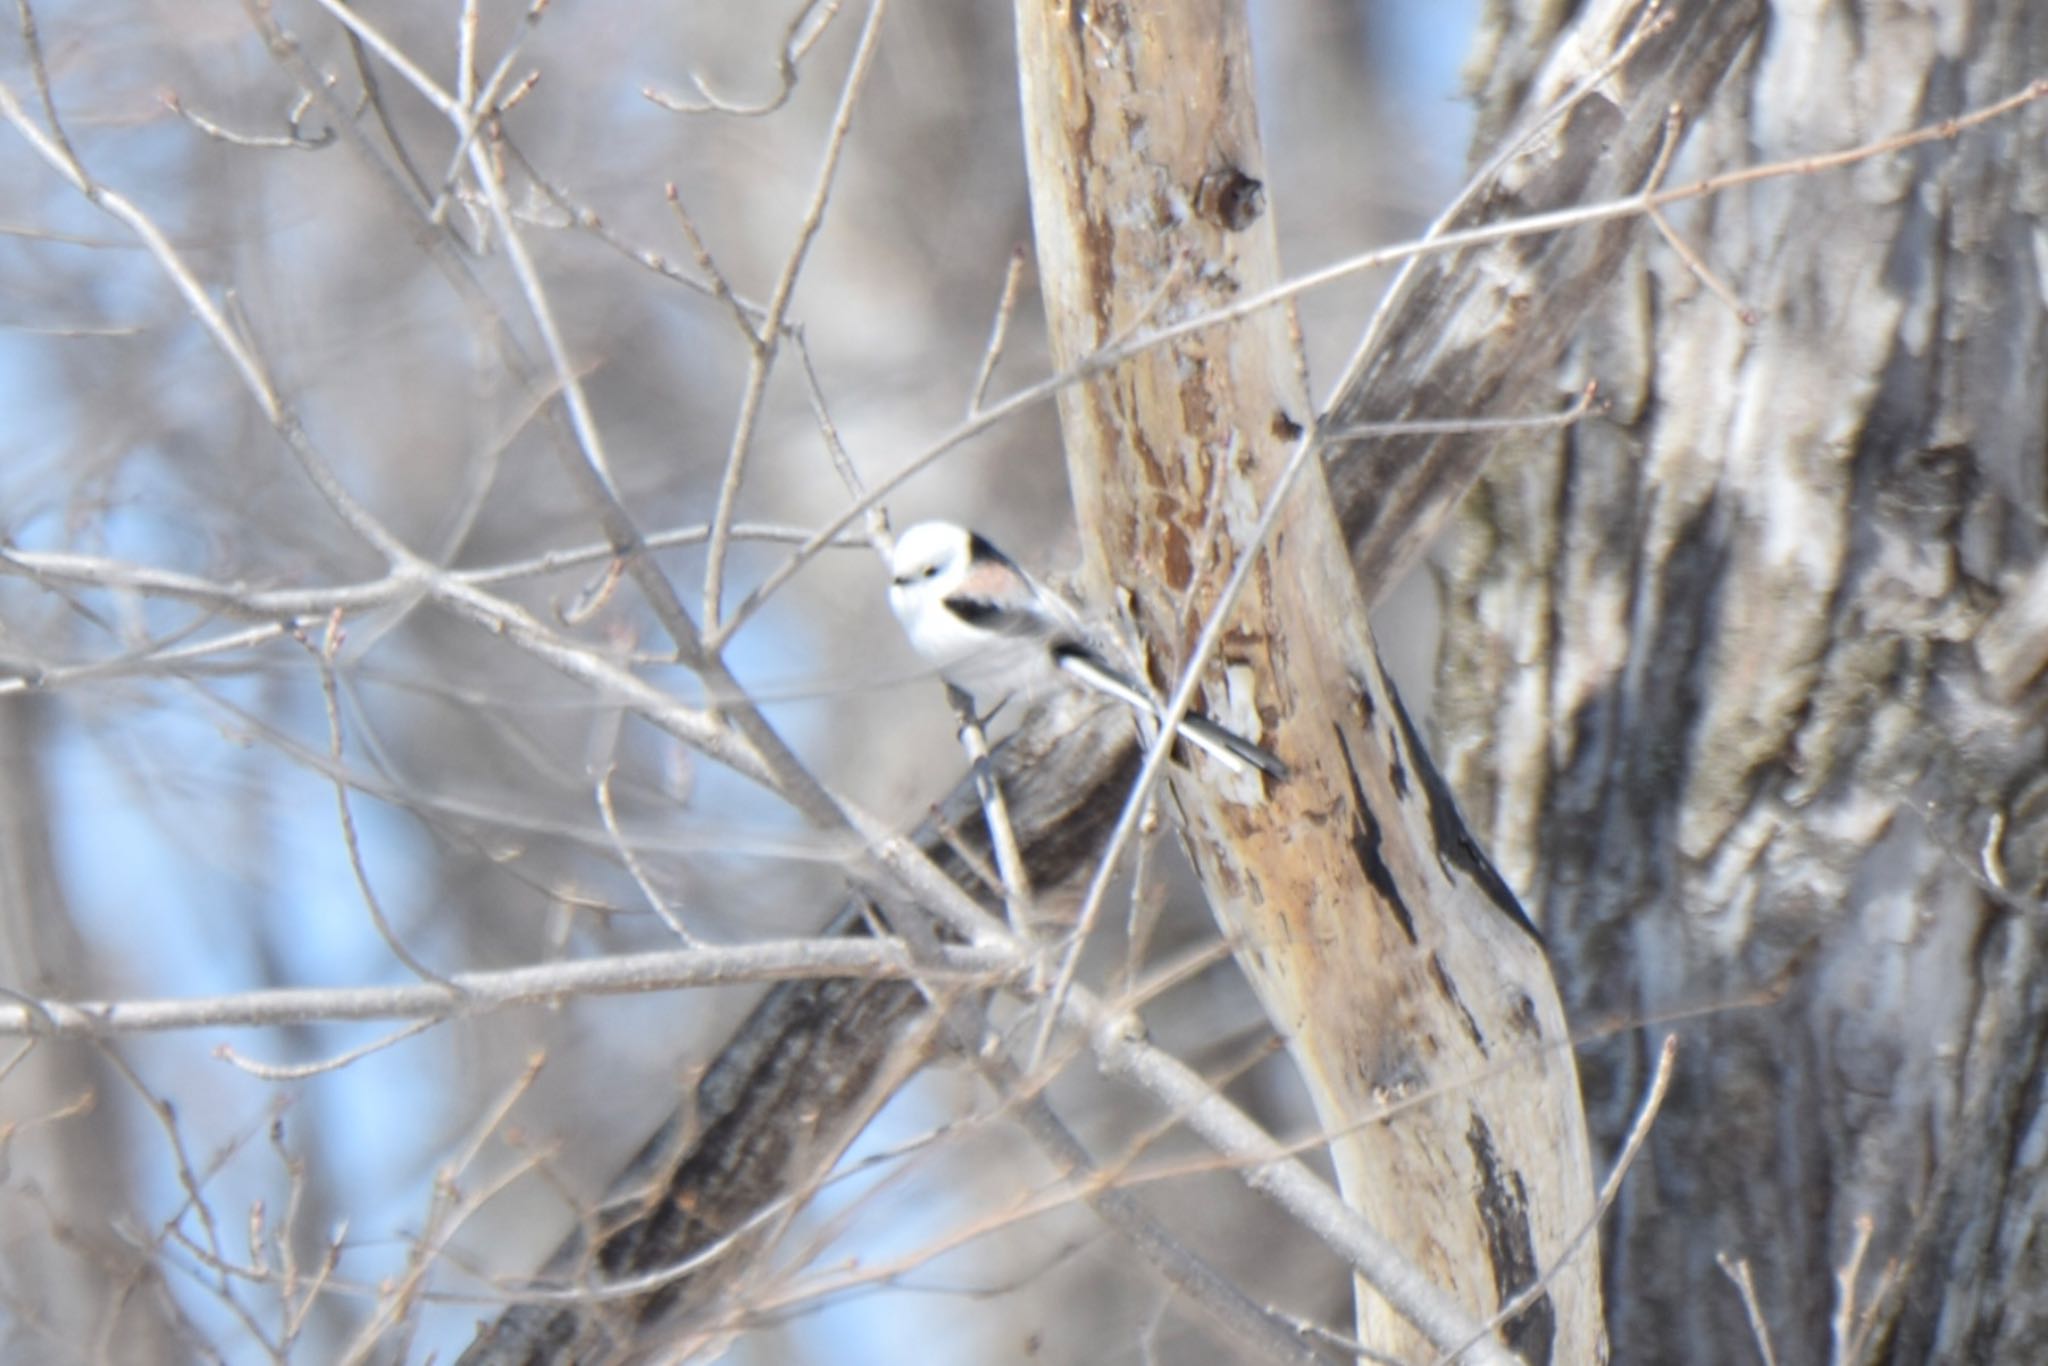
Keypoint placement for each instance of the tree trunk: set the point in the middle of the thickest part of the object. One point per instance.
(1742, 688)
(1403, 976)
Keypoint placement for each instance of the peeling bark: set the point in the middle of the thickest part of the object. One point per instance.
(1412, 994)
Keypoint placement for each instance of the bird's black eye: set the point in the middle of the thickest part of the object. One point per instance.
(931, 571)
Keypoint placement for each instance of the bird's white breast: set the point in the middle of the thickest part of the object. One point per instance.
(986, 665)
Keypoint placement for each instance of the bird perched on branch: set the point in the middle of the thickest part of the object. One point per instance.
(992, 631)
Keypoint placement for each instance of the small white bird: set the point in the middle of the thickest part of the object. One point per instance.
(992, 630)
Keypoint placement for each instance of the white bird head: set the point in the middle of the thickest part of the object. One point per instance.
(930, 560)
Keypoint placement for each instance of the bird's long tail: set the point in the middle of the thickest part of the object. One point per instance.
(1232, 750)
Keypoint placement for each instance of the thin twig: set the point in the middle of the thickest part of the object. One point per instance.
(1092, 905)
(301, 1071)
(403, 172)
(1581, 408)
(774, 960)
(540, 307)
(465, 55)
(721, 287)
(1843, 1324)
(1010, 865)
(999, 330)
(767, 338)
(292, 139)
(1146, 899)
(632, 861)
(54, 567)
(1736, 1269)
(481, 106)
(842, 463)
(798, 38)
(581, 218)
(39, 72)
(323, 656)
(1674, 122)
(396, 58)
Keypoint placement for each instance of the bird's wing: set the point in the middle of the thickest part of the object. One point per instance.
(986, 597)
(990, 615)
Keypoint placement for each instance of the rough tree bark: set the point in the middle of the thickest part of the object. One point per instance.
(1742, 687)
(1412, 995)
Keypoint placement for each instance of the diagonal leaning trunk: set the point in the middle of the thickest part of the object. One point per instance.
(1415, 999)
